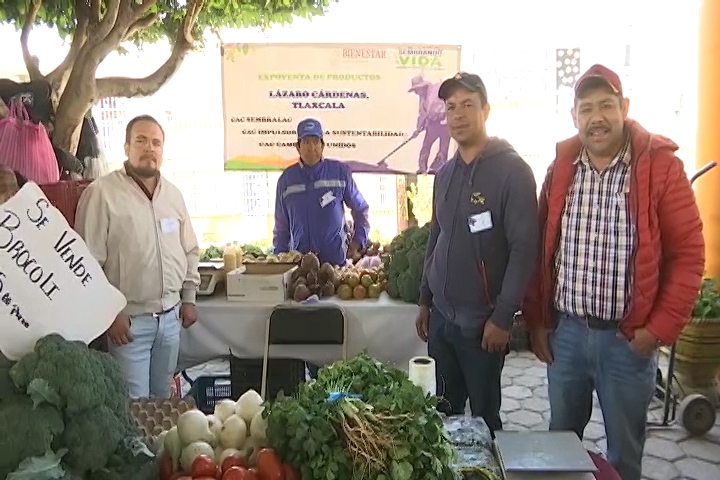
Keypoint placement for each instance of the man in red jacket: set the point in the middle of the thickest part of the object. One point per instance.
(619, 270)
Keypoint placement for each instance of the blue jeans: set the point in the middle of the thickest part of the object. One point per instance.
(464, 370)
(585, 360)
(148, 362)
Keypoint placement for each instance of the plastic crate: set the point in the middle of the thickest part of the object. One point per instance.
(209, 390)
(284, 374)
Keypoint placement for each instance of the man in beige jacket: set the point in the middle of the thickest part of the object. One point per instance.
(136, 224)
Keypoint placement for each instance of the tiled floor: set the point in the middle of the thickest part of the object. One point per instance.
(670, 453)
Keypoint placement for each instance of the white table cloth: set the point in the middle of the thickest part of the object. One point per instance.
(383, 327)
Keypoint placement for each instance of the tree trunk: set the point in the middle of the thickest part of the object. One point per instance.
(75, 88)
(78, 96)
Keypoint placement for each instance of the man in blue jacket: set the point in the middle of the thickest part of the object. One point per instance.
(310, 203)
(480, 255)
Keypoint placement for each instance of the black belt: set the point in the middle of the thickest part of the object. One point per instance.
(156, 315)
(595, 323)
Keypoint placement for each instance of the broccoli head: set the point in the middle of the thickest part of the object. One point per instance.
(71, 369)
(116, 391)
(407, 262)
(409, 287)
(398, 262)
(7, 387)
(416, 263)
(92, 438)
(27, 431)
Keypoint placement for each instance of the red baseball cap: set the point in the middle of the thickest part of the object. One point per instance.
(600, 72)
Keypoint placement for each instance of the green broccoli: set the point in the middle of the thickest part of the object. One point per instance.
(70, 368)
(27, 431)
(399, 262)
(87, 389)
(407, 262)
(409, 287)
(92, 438)
(7, 387)
(146, 471)
(116, 391)
(416, 263)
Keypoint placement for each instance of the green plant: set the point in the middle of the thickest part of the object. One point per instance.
(93, 29)
(707, 304)
(361, 420)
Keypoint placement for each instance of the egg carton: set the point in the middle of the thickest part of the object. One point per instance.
(155, 415)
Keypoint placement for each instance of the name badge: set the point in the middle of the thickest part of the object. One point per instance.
(327, 198)
(480, 222)
(169, 225)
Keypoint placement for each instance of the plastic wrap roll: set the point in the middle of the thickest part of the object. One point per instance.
(422, 374)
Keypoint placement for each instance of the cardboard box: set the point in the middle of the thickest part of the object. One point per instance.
(249, 285)
(262, 268)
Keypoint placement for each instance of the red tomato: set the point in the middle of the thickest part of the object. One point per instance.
(291, 473)
(166, 467)
(238, 473)
(233, 461)
(203, 466)
(269, 465)
(204, 478)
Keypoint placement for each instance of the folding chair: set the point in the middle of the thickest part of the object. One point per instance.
(318, 324)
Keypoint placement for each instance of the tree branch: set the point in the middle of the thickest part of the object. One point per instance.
(193, 10)
(109, 19)
(141, 87)
(58, 77)
(125, 18)
(141, 24)
(31, 63)
(95, 11)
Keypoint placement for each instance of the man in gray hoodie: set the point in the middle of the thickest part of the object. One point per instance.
(480, 255)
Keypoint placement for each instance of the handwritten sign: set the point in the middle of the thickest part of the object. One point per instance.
(49, 281)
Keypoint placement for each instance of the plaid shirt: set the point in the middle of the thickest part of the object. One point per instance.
(597, 240)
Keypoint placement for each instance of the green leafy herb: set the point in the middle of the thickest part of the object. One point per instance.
(708, 303)
(392, 432)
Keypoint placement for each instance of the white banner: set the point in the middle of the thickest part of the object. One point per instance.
(49, 281)
(378, 104)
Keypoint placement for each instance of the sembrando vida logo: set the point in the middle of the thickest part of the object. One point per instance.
(419, 57)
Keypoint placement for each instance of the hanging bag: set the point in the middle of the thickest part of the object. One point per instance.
(25, 146)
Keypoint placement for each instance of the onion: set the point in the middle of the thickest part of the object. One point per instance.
(233, 432)
(224, 409)
(159, 442)
(193, 426)
(258, 426)
(215, 427)
(192, 451)
(172, 445)
(251, 449)
(248, 405)
(228, 452)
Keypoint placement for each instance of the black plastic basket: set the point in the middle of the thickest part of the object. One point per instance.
(284, 374)
(209, 390)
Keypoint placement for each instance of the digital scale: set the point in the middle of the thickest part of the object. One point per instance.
(211, 274)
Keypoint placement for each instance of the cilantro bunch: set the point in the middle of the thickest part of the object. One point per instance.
(384, 429)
